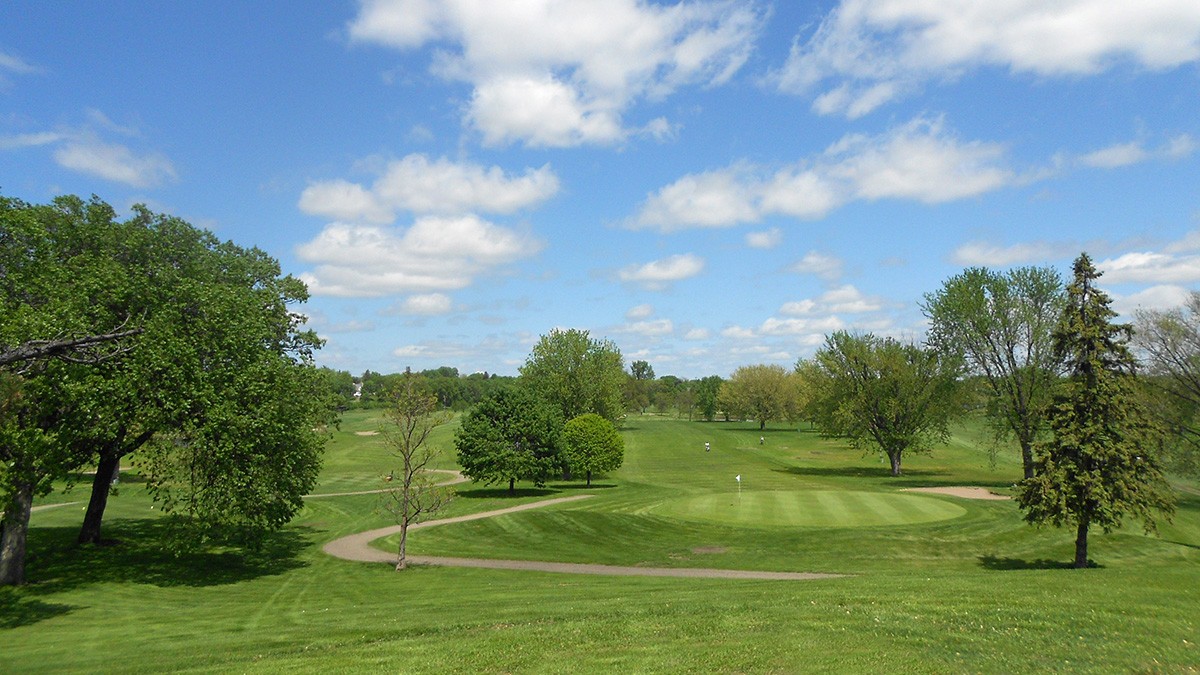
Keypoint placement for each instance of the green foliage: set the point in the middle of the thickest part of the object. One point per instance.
(1002, 324)
(762, 392)
(707, 389)
(511, 435)
(592, 444)
(577, 374)
(883, 394)
(1101, 466)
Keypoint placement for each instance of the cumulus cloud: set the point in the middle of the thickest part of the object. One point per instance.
(639, 312)
(659, 274)
(765, 239)
(993, 255)
(427, 304)
(866, 53)
(420, 185)
(920, 161)
(821, 265)
(1135, 152)
(565, 73)
(1151, 267)
(652, 328)
(435, 253)
(1155, 298)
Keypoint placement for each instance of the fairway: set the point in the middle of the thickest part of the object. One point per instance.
(816, 508)
(926, 583)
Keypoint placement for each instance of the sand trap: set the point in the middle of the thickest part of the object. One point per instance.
(366, 433)
(962, 492)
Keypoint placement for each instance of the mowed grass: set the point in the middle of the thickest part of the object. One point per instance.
(936, 584)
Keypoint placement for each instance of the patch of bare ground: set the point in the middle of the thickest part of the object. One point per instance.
(962, 491)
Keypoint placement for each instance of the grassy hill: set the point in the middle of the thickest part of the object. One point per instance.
(935, 583)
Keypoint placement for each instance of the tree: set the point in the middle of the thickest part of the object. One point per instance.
(761, 392)
(217, 375)
(592, 444)
(1099, 467)
(1002, 324)
(707, 390)
(510, 435)
(641, 385)
(577, 374)
(414, 414)
(884, 394)
(1170, 343)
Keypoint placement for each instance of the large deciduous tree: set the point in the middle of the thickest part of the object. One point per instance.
(510, 435)
(577, 374)
(1100, 465)
(707, 389)
(763, 393)
(592, 444)
(1170, 343)
(884, 394)
(1001, 323)
(216, 374)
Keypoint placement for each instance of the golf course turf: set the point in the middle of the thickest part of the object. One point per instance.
(933, 583)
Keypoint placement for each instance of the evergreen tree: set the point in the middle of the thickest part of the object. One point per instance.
(1100, 466)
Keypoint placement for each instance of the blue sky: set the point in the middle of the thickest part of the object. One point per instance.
(709, 184)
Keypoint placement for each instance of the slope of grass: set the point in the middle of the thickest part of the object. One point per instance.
(977, 590)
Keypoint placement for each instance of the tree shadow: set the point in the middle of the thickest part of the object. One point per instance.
(136, 553)
(584, 486)
(997, 563)
(863, 472)
(503, 493)
(17, 609)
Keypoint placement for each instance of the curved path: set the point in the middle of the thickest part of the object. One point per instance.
(358, 547)
(456, 477)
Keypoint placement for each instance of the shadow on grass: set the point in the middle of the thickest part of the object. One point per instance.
(865, 472)
(503, 493)
(17, 609)
(584, 486)
(136, 553)
(997, 563)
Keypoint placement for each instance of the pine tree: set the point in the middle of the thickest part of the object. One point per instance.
(1100, 466)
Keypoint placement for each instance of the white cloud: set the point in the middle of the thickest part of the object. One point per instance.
(1114, 156)
(420, 185)
(697, 334)
(433, 254)
(1153, 298)
(738, 333)
(920, 160)
(565, 72)
(654, 328)
(1149, 267)
(17, 141)
(428, 304)
(639, 312)
(870, 52)
(992, 255)
(765, 239)
(15, 64)
(115, 162)
(819, 264)
(849, 300)
(658, 274)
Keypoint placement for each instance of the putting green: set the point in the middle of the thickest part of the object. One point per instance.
(817, 508)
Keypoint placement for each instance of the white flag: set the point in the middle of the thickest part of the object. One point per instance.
(738, 478)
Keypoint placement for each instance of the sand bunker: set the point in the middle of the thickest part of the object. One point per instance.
(961, 491)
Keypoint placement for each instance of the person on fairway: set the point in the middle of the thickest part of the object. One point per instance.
(707, 447)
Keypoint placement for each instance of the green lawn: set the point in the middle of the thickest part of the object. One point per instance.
(938, 584)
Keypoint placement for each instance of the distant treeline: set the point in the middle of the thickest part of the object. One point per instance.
(454, 390)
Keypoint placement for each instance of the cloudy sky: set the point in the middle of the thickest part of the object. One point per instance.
(709, 184)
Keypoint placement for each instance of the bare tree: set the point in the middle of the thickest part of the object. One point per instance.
(412, 417)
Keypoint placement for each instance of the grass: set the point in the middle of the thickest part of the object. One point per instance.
(939, 584)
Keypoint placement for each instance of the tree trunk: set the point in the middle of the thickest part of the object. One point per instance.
(512, 486)
(1081, 553)
(1027, 458)
(12, 543)
(402, 560)
(895, 457)
(762, 424)
(110, 463)
(589, 478)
